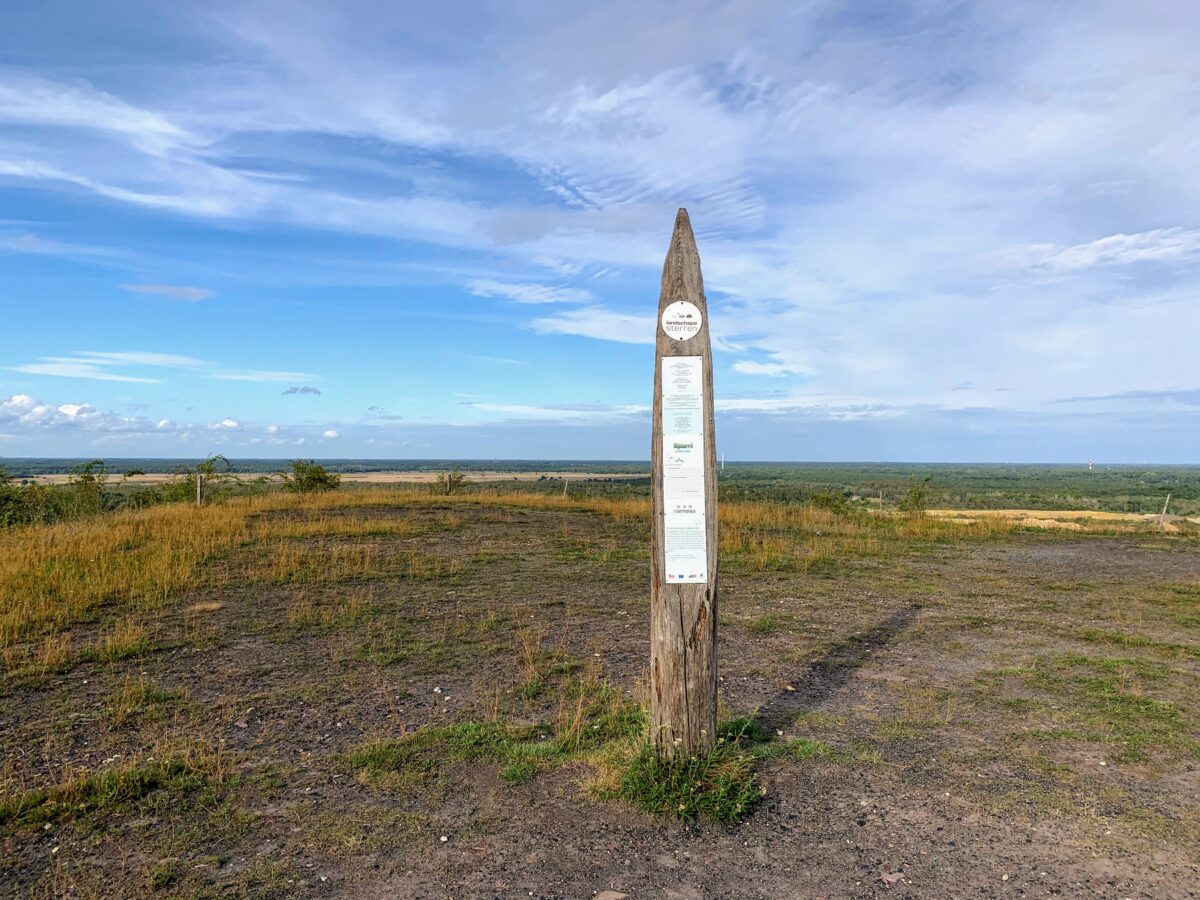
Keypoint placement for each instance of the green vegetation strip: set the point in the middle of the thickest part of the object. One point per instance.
(608, 730)
(97, 793)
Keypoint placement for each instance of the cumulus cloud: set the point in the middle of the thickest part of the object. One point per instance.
(22, 414)
(302, 389)
(329, 434)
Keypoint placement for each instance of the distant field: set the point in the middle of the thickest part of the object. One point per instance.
(1133, 489)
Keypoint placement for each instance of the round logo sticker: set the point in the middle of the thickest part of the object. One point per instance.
(681, 320)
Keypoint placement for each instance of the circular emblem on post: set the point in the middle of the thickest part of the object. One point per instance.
(681, 320)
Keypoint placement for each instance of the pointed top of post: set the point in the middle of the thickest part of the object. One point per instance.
(681, 278)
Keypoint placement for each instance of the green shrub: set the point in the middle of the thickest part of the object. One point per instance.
(309, 477)
(448, 482)
(916, 499)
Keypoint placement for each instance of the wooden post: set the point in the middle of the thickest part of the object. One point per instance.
(1162, 517)
(683, 554)
(199, 489)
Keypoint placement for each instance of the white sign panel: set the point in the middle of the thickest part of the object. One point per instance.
(681, 320)
(684, 532)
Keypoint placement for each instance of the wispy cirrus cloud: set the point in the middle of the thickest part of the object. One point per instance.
(557, 411)
(1161, 245)
(177, 293)
(599, 322)
(770, 369)
(105, 365)
(524, 292)
(261, 375)
(29, 99)
(74, 367)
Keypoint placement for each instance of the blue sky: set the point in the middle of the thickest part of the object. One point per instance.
(961, 231)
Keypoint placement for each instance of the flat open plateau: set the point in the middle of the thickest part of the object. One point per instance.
(997, 712)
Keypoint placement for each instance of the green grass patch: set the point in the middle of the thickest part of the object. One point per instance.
(1117, 702)
(592, 714)
(137, 698)
(1120, 639)
(100, 792)
(771, 623)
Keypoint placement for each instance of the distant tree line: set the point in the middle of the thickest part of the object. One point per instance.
(92, 488)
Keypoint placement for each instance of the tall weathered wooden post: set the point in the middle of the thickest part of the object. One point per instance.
(683, 568)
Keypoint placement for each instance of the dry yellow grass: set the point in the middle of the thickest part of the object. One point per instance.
(1067, 519)
(55, 575)
(134, 562)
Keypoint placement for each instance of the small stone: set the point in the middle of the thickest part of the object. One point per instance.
(444, 838)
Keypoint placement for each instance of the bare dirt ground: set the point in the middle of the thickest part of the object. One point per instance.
(1017, 717)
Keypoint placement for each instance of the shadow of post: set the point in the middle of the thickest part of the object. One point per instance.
(830, 671)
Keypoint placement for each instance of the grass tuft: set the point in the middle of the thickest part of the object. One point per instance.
(720, 786)
(98, 792)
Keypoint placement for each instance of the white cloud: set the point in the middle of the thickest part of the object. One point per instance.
(178, 293)
(226, 425)
(529, 293)
(601, 323)
(329, 434)
(1159, 245)
(24, 415)
(264, 376)
(98, 365)
(577, 411)
(30, 100)
(139, 358)
(65, 367)
(773, 370)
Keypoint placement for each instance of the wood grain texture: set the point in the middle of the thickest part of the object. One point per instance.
(683, 617)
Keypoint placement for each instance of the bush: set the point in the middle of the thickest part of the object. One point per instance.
(87, 487)
(448, 482)
(309, 477)
(916, 501)
(832, 502)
